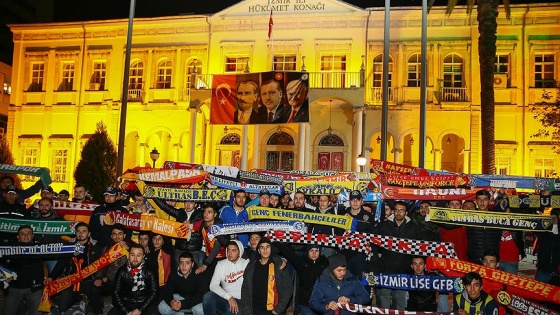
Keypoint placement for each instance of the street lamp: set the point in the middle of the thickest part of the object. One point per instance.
(154, 155)
(361, 160)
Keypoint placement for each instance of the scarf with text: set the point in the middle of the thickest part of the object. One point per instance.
(41, 172)
(42, 249)
(520, 305)
(53, 287)
(339, 221)
(251, 186)
(424, 181)
(366, 309)
(319, 187)
(407, 193)
(491, 219)
(9, 225)
(247, 227)
(534, 201)
(431, 283)
(509, 181)
(182, 194)
(521, 286)
(361, 242)
(146, 222)
(175, 176)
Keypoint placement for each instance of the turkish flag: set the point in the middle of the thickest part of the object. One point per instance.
(223, 99)
(270, 23)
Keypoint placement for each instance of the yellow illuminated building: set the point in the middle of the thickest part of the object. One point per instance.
(68, 76)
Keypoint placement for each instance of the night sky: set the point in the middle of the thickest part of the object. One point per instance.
(72, 10)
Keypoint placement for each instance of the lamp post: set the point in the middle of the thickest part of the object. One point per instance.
(361, 160)
(154, 155)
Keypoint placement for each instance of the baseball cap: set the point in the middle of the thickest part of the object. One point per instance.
(263, 192)
(110, 191)
(47, 188)
(11, 189)
(64, 192)
(355, 194)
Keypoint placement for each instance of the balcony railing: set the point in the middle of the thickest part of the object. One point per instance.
(335, 80)
(452, 94)
(376, 96)
(135, 95)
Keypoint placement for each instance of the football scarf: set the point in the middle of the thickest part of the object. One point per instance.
(491, 219)
(8, 225)
(250, 186)
(6, 273)
(520, 305)
(53, 287)
(409, 282)
(41, 172)
(508, 181)
(534, 201)
(318, 187)
(146, 222)
(176, 176)
(339, 221)
(248, 227)
(366, 309)
(361, 242)
(137, 278)
(40, 249)
(407, 193)
(424, 181)
(522, 286)
(182, 194)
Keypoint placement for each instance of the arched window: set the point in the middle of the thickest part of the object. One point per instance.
(453, 71)
(414, 70)
(231, 138)
(378, 70)
(280, 152)
(136, 76)
(331, 154)
(164, 70)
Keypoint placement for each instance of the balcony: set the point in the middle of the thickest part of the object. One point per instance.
(543, 95)
(335, 80)
(135, 95)
(453, 94)
(375, 95)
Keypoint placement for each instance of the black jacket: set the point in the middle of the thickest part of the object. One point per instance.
(424, 301)
(180, 215)
(482, 240)
(308, 271)
(390, 261)
(127, 300)
(29, 269)
(102, 233)
(191, 288)
(48, 238)
(66, 266)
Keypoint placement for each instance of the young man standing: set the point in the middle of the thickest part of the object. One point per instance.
(422, 301)
(136, 289)
(266, 288)
(237, 213)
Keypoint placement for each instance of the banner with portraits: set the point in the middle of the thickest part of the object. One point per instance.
(260, 98)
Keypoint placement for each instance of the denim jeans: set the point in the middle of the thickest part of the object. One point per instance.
(212, 303)
(398, 296)
(165, 309)
(32, 299)
(443, 303)
(511, 267)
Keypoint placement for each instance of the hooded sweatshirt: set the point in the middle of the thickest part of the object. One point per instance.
(228, 276)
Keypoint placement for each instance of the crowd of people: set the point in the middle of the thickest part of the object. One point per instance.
(247, 273)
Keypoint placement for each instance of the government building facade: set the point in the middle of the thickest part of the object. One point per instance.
(67, 77)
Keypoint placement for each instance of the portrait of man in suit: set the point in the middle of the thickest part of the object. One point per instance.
(297, 91)
(273, 111)
(247, 102)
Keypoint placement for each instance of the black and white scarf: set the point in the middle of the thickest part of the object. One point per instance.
(137, 277)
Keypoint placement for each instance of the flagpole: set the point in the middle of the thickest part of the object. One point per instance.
(271, 35)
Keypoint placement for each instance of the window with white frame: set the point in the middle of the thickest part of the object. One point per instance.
(59, 165)
(414, 70)
(544, 167)
(37, 76)
(236, 64)
(29, 157)
(136, 76)
(544, 71)
(453, 71)
(7, 84)
(98, 76)
(164, 71)
(284, 62)
(378, 71)
(333, 62)
(501, 65)
(67, 77)
(503, 165)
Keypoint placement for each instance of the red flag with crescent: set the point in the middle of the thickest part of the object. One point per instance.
(223, 99)
(270, 24)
